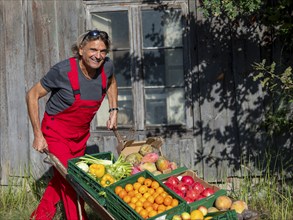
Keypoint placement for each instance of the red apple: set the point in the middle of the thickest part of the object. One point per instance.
(187, 180)
(198, 187)
(207, 192)
(192, 194)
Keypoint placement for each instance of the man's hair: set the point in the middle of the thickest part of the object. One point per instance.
(85, 37)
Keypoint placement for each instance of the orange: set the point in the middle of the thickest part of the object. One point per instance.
(138, 208)
(147, 182)
(128, 187)
(155, 206)
(161, 208)
(169, 207)
(134, 200)
(175, 202)
(136, 185)
(143, 189)
(155, 184)
(159, 199)
(160, 190)
(167, 201)
(149, 208)
(143, 213)
(138, 195)
(118, 189)
(131, 193)
(151, 199)
(152, 213)
(141, 179)
(155, 195)
(139, 204)
(142, 199)
(122, 193)
(164, 194)
(151, 191)
(132, 205)
(146, 204)
(127, 198)
(196, 214)
(146, 195)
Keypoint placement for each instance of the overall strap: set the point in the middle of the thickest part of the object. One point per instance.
(73, 78)
(104, 81)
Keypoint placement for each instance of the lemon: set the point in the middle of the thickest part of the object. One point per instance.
(196, 215)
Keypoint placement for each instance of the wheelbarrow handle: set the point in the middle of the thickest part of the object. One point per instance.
(56, 163)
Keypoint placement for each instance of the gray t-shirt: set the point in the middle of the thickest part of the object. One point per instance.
(57, 82)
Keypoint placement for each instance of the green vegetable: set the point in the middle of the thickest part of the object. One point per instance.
(90, 160)
(120, 169)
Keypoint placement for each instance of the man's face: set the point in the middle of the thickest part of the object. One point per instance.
(93, 53)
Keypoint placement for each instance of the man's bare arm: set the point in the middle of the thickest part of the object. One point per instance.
(32, 100)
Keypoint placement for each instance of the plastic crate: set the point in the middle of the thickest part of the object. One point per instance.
(122, 211)
(223, 215)
(88, 182)
(208, 201)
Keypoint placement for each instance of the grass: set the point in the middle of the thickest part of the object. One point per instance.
(270, 195)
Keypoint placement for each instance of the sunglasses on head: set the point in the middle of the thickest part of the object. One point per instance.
(95, 34)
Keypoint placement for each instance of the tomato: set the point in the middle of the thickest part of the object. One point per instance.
(208, 192)
(187, 180)
(172, 180)
(198, 187)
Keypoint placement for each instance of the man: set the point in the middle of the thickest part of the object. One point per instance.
(77, 86)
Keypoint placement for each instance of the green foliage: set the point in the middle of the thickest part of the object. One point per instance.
(230, 8)
(280, 87)
(275, 15)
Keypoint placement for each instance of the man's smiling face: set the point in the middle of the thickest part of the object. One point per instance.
(93, 53)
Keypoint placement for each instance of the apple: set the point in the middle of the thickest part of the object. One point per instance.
(203, 209)
(173, 180)
(176, 217)
(185, 216)
(198, 187)
(187, 180)
(188, 199)
(192, 194)
(207, 192)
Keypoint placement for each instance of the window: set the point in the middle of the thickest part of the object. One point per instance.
(147, 51)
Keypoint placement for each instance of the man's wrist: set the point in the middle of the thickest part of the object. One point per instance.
(113, 109)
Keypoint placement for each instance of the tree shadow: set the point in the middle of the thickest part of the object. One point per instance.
(230, 105)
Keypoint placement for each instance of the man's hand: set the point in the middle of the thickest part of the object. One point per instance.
(112, 121)
(40, 144)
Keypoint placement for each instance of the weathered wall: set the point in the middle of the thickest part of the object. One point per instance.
(226, 105)
(34, 35)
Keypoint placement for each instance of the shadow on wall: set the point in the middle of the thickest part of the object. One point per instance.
(231, 104)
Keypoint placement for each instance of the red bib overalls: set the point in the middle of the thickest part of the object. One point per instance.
(66, 134)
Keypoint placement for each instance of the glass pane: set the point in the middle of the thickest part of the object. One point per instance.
(156, 106)
(121, 60)
(165, 106)
(125, 115)
(162, 28)
(115, 24)
(163, 67)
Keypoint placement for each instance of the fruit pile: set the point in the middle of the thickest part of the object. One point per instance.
(146, 197)
(148, 158)
(189, 189)
(222, 203)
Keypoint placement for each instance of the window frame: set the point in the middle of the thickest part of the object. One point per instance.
(134, 9)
